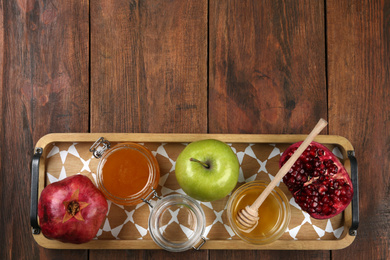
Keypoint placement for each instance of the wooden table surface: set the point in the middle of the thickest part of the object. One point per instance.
(204, 66)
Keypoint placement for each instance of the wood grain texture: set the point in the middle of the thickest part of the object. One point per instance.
(267, 66)
(359, 94)
(268, 255)
(44, 86)
(267, 75)
(148, 74)
(147, 254)
(152, 57)
(266, 62)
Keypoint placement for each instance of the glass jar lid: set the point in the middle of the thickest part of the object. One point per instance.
(177, 223)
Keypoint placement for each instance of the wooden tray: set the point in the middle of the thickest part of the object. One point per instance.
(127, 227)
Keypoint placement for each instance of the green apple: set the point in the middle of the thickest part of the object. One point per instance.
(207, 170)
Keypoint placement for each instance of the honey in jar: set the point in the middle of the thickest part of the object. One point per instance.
(269, 211)
(274, 213)
(127, 173)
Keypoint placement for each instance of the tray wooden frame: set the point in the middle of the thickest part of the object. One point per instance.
(344, 241)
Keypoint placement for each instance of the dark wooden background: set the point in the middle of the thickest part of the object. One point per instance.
(203, 66)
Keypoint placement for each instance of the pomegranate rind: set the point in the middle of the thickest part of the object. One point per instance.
(51, 210)
(318, 181)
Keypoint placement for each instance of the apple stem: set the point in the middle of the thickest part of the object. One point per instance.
(202, 163)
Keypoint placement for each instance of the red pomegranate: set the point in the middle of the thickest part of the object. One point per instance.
(318, 181)
(71, 210)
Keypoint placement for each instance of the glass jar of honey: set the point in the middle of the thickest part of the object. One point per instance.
(274, 213)
(127, 173)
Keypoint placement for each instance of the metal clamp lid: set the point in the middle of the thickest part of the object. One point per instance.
(147, 199)
(203, 241)
(98, 150)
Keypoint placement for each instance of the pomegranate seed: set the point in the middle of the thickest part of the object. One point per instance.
(329, 163)
(305, 159)
(308, 192)
(332, 169)
(334, 198)
(317, 164)
(326, 209)
(309, 167)
(322, 190)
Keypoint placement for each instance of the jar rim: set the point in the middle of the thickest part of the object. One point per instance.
(152, 182)
(282, 223)
(188, 204)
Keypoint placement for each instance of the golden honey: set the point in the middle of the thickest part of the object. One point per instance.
(269, 211)
(127, 173)
(274, 213)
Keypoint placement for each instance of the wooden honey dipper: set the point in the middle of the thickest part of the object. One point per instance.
(248, 216)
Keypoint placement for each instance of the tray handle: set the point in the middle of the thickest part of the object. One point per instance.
(34, 190)
(355, 198)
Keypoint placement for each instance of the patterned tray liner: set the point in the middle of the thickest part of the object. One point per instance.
(257, 162)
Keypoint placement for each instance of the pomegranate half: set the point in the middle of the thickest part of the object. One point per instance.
(71, 210)
(318, 181)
